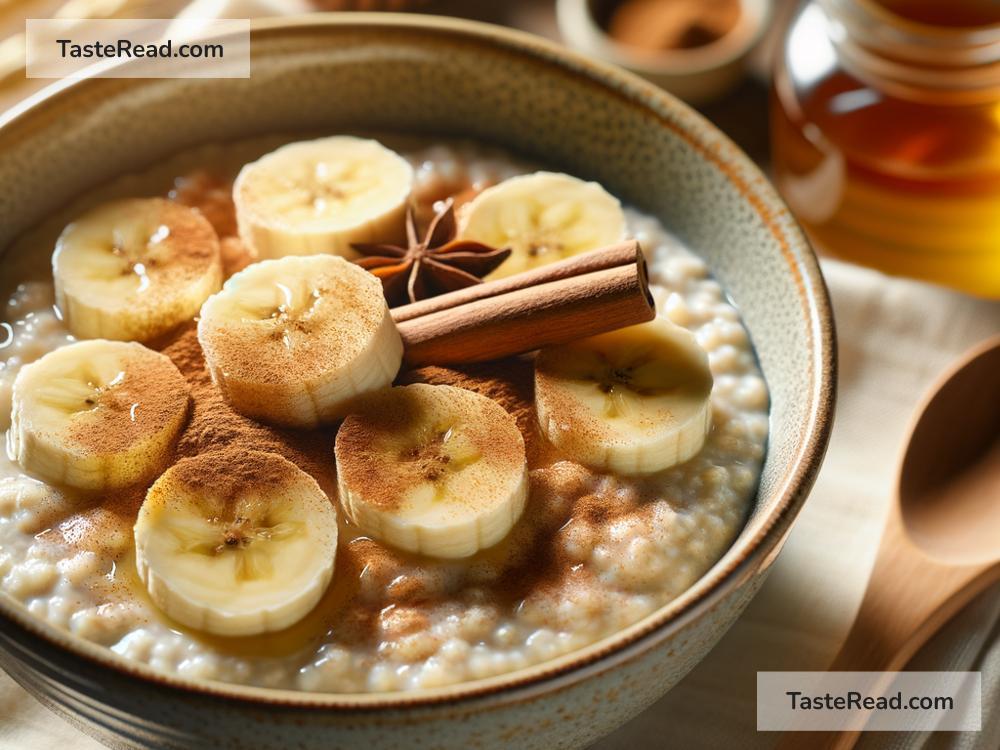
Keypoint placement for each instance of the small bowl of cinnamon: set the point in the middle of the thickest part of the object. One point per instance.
(695, 49)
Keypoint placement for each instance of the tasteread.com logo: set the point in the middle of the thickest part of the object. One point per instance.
(856, 701)
(869, 701)
(137, 48)
(126, 49)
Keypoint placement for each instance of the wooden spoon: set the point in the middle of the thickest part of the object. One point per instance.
(941, 545)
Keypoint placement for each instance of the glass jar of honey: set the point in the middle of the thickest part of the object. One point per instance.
(886, 135)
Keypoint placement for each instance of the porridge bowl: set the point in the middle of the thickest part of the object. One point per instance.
(602, 564)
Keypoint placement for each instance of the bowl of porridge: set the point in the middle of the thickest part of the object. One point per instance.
(433, 385)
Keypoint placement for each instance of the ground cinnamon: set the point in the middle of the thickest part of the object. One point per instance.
(658, 25)
(123, 417)
(215, 425)
(509, 382)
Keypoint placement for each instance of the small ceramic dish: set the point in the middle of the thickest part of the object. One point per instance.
(431, 76)
(697, 75)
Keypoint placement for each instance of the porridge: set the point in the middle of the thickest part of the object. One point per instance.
(238, 505)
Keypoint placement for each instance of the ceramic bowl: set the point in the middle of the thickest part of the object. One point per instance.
(452, 78)
(698, 75)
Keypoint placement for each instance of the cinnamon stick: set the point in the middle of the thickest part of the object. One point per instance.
(525, 318)
(623, 254)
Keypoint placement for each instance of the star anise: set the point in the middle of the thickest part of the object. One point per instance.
(430, 266)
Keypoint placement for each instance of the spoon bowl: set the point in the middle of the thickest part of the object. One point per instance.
(949, 482)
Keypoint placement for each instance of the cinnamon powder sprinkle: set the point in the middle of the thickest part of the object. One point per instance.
(214, 425)
(386, 420)
(103, 526)
(125, 414)
(228, 472)
(325, 329)
(509, 382)
(185, 253)
(212, 195)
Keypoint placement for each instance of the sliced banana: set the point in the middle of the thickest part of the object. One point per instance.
(133, 269)
(543, 217)
(236, 543)
(97, 414)
(432, 469)
(633, 401)
(293, 341)
(321, 196)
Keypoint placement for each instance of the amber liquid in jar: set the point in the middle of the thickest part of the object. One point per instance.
(885, 171)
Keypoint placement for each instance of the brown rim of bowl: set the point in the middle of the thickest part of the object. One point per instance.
(758, 538)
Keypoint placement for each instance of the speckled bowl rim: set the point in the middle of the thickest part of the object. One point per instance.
(759, 541)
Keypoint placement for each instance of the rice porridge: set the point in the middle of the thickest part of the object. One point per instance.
(567, 547)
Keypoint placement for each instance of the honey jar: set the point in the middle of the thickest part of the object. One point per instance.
(886, 135)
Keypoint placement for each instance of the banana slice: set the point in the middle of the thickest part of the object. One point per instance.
(432, 469)
(293, 341)
(97, 414)
(134, 269)
(633, 401)
(321, 196)
(543, 217)
(236, 543)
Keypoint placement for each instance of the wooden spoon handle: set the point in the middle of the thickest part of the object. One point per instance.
(909, 598)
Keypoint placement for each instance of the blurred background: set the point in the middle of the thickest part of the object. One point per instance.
(741, 96)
